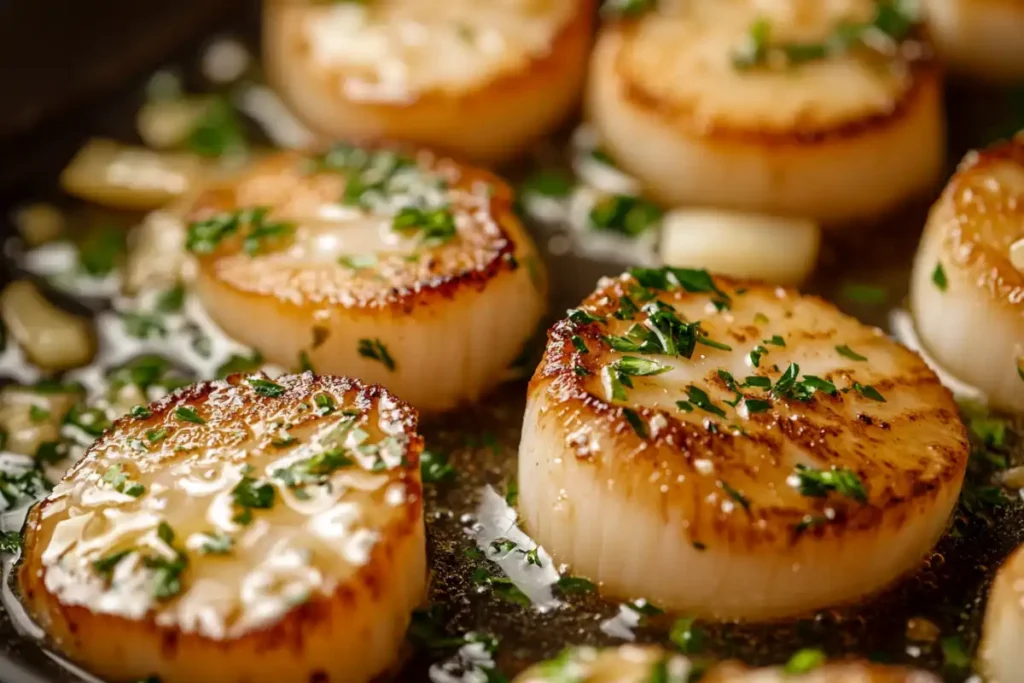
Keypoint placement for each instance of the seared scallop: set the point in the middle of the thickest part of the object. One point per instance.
(824, 110)
(482, 78)
(1003, 630)
(979, 39)
(734, 450)
(241, 530)
(407, 270)
(635, 664)
(967, 289)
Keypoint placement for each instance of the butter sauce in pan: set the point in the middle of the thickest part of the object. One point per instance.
(301, 409)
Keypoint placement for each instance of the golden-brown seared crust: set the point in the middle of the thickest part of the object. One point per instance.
(222, 404)
(921, 87)
(979, 216)
(537, 69)
(485, 247)
(903, 477)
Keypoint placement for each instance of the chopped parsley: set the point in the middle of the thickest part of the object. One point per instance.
(735, 495)
(143, 325)
(432, 227)
(819, 483)
(644, 608)
(792, 387)
(10, 542)
(218, 132)
(847, 352)
(868, 391)
(579, 344)
(502, 587)
(512, 492)
(868, 295)
(156, 435)
(575, 585)
(435, 468)
(120, 482)
(358, 261)
(547, 183)
(692, 280)
(205, 236)
(17, 489)
(188, 414)
(105, 565)
(325, 404)
(636, 422)
(939, 277)
(264, 387)
(699, 399)
(101, 250)
(581, 317)
(624, 214)
(893, 19)
(38, 413)
(166, 572)
(216, 543)
(804, 661)
(141, 412)
(171, 300)
(313, 470)
(249, 494)
(236, 363)
(954, 654)
(686, 636)
(755, 405)
(374, 349)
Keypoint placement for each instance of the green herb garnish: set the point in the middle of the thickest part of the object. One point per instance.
(686, 636)
(847, 352)
(939, 277)
(432, 227)
(188, 414)
(868, 391)
(435, 468)
(819, 483)
(264, 387)
(624, 214)
(374, 349)
(735, 495)
(218, 132)
(804, 661)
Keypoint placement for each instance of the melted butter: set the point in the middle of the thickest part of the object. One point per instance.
(394, 51)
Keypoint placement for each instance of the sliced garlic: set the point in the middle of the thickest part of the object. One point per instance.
(51, 337)
(125, 177)
(777, 250)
